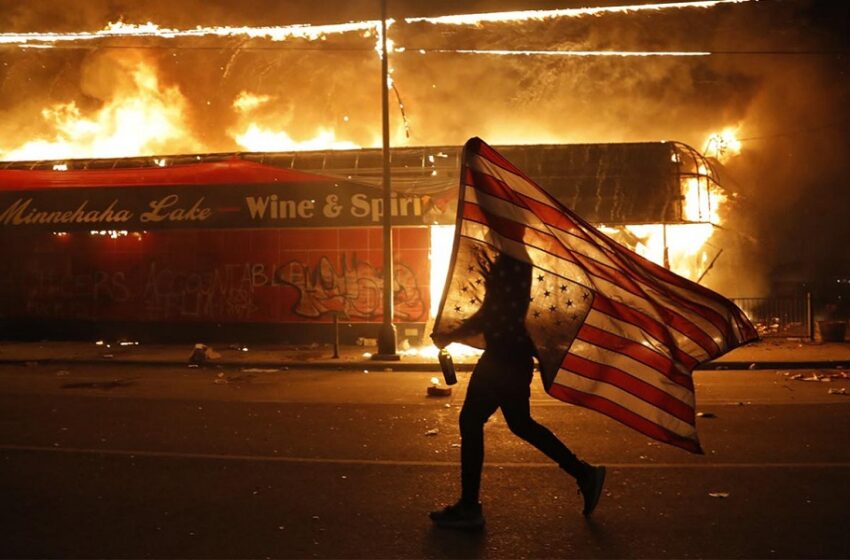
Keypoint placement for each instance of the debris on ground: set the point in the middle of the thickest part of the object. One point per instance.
(706, 415)
(232, 379)
(721, 495)
(432, 432)
(842, 391)
(259, 370)
(361, 341)
(202, 354)
(821, 376)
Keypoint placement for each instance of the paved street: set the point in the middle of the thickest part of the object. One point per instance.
(135, 461)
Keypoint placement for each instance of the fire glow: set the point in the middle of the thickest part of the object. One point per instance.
(146, 117)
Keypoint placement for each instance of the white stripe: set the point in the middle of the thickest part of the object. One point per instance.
(634, 333)
(508, 210)
(512, 180)
(626, 400)
(505, 209)
(593, 250)
(525, 253)
(587, 248)
(646, 280)
(578, 274)
(637, 303)
(636, 369)
(725, 311)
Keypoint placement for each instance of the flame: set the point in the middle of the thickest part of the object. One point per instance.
(367, 28)
(622, 54)
(142, 118)
(264, 136)
(257, 138)
(540, 15)
(246, 101)
(723, 145)
(115, 30)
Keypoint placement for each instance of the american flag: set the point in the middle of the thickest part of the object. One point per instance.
(613, 331)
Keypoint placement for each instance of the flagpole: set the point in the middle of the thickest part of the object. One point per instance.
(387, 334)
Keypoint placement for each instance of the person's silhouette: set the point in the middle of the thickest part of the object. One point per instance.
(501, 379)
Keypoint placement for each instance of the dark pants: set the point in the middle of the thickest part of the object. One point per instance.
(503, 382)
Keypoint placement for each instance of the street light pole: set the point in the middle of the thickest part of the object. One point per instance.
(387, 334)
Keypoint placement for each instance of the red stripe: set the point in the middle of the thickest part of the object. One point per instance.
(477, 146)
(610, 274)
(493, 186)
(658, 331)
(640, 269)
(554, 217)
(515, 231)
(624, 276)
(632, 265)
(664, 365)
(652, 272)
(631, 384)
(624, 416)
(532, 238)
(689, 329)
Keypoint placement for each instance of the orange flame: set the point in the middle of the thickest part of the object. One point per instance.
(723, 145)
(141, 118)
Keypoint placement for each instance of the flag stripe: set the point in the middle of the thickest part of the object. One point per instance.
(484, 234)
(629, 276)
(705, 319)
(624, 416)
(635, 350)
(512, 177)
(636, 310)
(655, 328)
(693, 326)
(514, 181)
(618, 327)
(637, 405)
(635, 386)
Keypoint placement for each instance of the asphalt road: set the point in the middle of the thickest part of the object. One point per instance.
(104, 461)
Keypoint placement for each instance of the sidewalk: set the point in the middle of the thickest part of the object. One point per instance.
(766, 354)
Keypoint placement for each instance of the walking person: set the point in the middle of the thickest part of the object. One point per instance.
(502, 379)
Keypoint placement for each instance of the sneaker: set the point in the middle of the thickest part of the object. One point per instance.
(590, 487)
(459, 516)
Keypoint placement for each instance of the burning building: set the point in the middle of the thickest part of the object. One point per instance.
(275, 246)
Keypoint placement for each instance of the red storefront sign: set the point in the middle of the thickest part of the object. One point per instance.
(219, 259)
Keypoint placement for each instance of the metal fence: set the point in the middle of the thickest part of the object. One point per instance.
(779, 317)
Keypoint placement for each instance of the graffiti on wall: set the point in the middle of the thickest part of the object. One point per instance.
(223, 292)
(160, 291)
(354, 291)
(58, 293)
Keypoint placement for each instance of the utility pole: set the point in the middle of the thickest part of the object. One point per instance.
(387, 334)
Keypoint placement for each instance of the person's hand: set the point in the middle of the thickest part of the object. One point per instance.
(440, 341)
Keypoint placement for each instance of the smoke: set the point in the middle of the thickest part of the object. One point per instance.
(790, 110)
